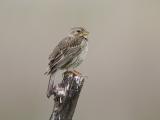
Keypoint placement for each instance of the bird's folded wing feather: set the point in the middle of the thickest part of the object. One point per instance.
(66, 50)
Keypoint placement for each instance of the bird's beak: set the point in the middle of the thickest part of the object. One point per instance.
(85, 34)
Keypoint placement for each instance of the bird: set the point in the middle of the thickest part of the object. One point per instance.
(68, 54)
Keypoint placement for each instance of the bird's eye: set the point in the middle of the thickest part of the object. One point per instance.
(78, 31)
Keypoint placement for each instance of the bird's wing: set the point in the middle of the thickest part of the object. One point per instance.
(66, 50)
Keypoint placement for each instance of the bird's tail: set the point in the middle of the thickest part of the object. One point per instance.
(47, 71)
(51, 83)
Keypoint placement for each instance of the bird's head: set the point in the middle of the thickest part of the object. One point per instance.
(79, 32)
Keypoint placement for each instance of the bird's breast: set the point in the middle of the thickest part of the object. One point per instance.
(76, 61)
(84, 51)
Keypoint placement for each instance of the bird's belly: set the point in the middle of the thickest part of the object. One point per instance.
(78, 59)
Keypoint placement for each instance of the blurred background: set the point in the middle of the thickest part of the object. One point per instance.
(123, 63)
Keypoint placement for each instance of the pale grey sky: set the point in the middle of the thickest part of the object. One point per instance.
(122, 65)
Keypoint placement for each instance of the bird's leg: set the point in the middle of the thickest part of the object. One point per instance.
(77, 73)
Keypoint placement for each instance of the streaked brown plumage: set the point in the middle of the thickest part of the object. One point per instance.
(68, 54)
